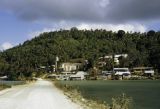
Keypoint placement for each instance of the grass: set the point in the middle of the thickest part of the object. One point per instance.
(119, 102)
(4, 87)
(145, 94)
(9, 84)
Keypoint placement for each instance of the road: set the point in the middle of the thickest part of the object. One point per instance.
(40, 95)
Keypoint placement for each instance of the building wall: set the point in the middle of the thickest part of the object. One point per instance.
(71, 66)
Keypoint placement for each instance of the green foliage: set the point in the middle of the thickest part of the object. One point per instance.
(12, 76)
(120, 33)
(86, 44)
(3, 65)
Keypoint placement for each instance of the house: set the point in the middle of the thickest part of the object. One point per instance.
(143, 71)
(3, 77)
(116, 58)
(122, 73)
(53, 76)
(59, 76)
(103, 60)
(67, 73)
(107, 75)
(69, 67)
(42, 67)
(80, 75)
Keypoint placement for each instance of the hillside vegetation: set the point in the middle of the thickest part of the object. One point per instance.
(143, 49)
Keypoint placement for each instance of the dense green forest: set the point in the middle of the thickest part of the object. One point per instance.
(143, 49)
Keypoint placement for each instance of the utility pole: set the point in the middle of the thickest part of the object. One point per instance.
(56, 66)
(113, 55)
(113, 62)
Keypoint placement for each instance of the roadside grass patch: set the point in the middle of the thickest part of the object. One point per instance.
(4, 87)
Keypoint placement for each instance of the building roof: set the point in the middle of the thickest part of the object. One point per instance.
(69, 63)
(67, 72)
(122, 73)
(3, 77)
(120, 69)
(79, 74)
(143, 68)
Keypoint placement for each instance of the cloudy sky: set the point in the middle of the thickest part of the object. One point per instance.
(23, 19)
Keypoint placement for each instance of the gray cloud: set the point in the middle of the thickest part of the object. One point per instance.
(104, 11)
(134, 10)
(54, 9)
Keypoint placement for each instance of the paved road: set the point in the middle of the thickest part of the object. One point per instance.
(40, 95)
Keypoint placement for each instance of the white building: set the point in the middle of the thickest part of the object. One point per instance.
(121, 71)
(80, 75)
(116, 57)
(68, 67)
(146, 71)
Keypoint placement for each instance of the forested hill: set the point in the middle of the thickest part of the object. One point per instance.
(143, 49)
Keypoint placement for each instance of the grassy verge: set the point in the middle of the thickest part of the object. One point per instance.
(119, 102)
(9, 84)
(4, 87)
